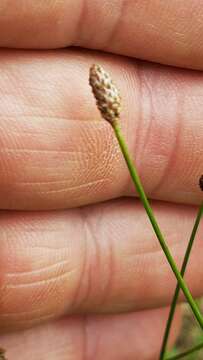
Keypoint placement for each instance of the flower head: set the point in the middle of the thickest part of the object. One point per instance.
(106, 93)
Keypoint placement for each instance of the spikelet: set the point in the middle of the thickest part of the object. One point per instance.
(201, 182)
(107, 95)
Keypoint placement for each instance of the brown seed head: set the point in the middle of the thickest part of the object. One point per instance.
(201, 182)
(107, 95)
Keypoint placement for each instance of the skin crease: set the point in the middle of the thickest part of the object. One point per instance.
(98, 257)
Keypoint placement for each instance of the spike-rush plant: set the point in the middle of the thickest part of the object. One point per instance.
(108, 101)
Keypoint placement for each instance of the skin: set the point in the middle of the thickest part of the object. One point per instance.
(80, 260)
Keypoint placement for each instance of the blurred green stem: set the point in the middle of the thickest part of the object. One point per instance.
(186, 353)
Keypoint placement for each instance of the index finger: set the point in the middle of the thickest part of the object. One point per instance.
(168, 32)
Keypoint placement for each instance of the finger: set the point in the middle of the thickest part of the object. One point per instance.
(93, 337)
(169, 32)
(54, 153)
(104, 258)
(51, 157)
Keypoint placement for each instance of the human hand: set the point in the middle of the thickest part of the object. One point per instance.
(95, 255)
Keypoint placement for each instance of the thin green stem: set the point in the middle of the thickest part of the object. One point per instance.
(145, 202)
(177, 290)
(188, 352)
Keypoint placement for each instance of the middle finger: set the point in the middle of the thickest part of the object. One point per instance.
(55, 152)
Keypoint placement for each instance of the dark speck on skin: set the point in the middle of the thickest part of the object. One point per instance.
(201, 182)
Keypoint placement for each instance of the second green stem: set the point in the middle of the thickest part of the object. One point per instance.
(177, 290)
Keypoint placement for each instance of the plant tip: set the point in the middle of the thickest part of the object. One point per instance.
(106, 93)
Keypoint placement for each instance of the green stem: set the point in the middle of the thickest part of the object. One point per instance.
(188, 352)
(177, 290)
(140, 190)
